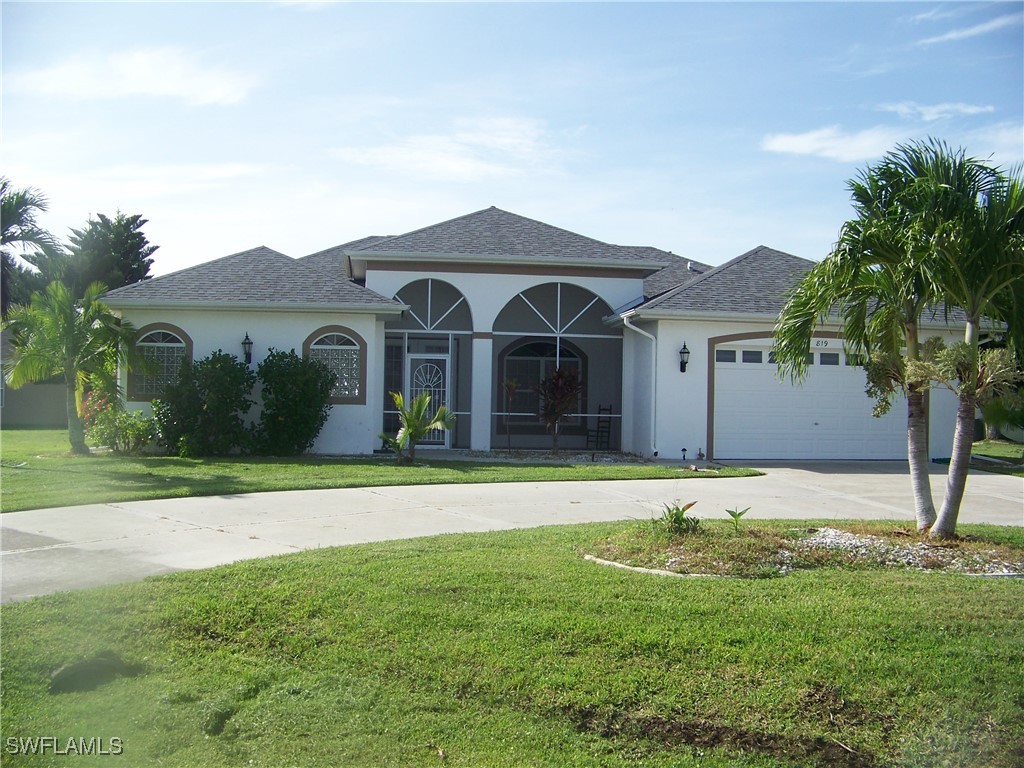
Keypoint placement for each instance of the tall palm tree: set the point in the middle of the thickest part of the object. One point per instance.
(977, 221)
(873, 283)
(19, 226)
(55, 335)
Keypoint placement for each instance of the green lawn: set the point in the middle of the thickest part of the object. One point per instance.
(1001, 449)
(509, 649)
(38, 471)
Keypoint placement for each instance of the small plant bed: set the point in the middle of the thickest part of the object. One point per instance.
(767, 549)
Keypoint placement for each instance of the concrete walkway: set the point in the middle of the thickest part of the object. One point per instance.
(52, 550)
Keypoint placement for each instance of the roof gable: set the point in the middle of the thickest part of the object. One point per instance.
(757, 282)
(502, 236)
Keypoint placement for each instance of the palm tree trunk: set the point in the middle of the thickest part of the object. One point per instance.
(959, 464)
(917, 458)
(76, 429)
(412, 451)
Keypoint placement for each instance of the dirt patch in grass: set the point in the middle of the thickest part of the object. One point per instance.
(707, 734)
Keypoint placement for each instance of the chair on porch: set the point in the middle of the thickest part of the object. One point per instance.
(600, 438)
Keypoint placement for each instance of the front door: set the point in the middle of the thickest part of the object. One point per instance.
(429, 373)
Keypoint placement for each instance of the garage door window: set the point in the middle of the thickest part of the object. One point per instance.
(830, 358)
(753, 356)
(725, 355)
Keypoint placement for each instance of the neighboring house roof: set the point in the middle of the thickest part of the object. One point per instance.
(754, 283)
(497, 236)
(259, 277)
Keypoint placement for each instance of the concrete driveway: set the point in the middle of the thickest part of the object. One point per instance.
(52, 550)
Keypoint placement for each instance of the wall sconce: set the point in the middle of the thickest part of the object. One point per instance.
(684, 358)
(247, 348)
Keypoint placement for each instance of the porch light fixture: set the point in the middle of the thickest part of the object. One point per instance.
(684, 358)
(247, 348)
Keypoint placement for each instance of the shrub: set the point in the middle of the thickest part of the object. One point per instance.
(296, 394)
(202, 414)
(121, 431)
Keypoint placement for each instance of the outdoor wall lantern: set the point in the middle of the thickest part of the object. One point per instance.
(247, 348)
(684, 358)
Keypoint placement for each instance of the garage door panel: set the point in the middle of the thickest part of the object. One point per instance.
(828, 416)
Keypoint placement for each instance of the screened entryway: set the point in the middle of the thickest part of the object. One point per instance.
(551, 326)
(430, 350)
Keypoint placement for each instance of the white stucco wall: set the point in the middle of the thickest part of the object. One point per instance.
(349, 429)
(682, 398)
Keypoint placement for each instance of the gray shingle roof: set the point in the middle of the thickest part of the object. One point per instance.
(678, 272)
(504, 236)
(756, 282)
(259, 276)
(336, 258)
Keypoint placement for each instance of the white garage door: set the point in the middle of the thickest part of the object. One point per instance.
(828, 416)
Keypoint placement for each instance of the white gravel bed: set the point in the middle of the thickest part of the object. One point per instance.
(918, 555)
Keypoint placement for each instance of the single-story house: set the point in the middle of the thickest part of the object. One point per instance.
(460, 308)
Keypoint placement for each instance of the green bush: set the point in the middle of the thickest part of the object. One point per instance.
(203, 413)
(296, 394)
(122, 431)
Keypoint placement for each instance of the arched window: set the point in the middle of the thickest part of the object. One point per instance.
(163, 348)
(344, 352)
(528, 364)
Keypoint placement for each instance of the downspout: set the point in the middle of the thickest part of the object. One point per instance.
(654, 379)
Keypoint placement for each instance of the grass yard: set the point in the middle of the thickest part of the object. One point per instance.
(509, 649)
(38, 471)
(1004, 450)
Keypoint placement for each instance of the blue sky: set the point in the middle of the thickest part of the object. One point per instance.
(701, 128)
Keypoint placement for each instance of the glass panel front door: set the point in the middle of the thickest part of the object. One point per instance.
(429, 373)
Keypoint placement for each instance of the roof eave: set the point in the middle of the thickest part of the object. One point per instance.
(481, 258)
(262, 306)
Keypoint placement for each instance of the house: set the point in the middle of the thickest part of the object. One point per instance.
(460, 308)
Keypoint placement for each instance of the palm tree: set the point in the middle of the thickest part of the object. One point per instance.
(418, 421)
(874, 284)
(55, 335)
(977, 219)
(19, 226)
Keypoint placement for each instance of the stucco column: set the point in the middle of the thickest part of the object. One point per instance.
(480, 402)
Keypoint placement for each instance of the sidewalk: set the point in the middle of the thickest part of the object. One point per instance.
(51, 550)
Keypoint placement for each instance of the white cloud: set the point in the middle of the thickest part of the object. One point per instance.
(930, 112)
(162, 72)
(474, 150)
(964, 33)
(834, 143)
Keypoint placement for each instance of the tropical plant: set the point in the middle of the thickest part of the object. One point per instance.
(296, 402)
(736, 515)
(203, 413)
(19, 227)
(976, 217)
(559, 397)
(417, 422)
(874, 284)
(77, 340)
(935, 227)
(675, 521)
